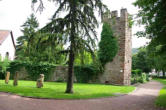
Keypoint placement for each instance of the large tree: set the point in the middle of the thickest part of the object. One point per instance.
(78, 25)
(153, 16)
(142, 61)
(38, 46)
(23, 48)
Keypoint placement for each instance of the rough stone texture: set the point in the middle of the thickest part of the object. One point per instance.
(119, 70)
(7, 77)
(40, 81)
(143, 98)
(15, 82)
(59, 74)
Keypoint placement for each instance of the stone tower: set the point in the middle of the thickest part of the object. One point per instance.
(118, 71)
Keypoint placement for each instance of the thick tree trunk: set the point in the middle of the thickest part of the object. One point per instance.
(70, 77)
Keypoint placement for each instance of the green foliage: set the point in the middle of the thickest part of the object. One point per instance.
(159, 63)
(153, 15)
(4, 65)
(139, 77)
(108, 46)
(161, 99)
(86, 73)
(38, 46)
(142, 61)
(130, 20)
(137, 71)
(84, 58)
(77, 26)
(33, 69)
(143, 78)
(53, 90)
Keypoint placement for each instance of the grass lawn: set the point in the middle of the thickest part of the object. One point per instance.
(161, 99)
(56, 90)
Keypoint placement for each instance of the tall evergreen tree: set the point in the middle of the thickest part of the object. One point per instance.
(23, 42)
(108, 46)
(78, 24)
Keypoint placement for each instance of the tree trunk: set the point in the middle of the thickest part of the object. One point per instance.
(15, 82)
(163, 73)
(69, 88)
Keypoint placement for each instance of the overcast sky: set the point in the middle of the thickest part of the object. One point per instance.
(13, 13)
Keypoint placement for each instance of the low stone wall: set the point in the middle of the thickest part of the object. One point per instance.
(58, 74)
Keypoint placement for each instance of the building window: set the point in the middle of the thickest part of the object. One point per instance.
(7, 54)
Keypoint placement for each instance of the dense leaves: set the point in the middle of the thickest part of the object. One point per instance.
(33, 69)
(77, 26)
(38, 46)
(86, 73)
(142, 61)
(108, 46)
(153, 16)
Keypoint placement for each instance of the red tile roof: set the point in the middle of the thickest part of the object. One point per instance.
(3, 35)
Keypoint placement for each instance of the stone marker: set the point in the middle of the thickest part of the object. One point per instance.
(40, 81)
(15, 82)
(7, 77)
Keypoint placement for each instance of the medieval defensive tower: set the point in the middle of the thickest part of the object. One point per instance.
(118, 71)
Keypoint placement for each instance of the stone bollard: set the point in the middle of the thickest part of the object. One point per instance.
(15, 82)
(40, 81)
(7, 77)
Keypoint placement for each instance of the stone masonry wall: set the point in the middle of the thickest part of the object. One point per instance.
(118, 71)
(59, 74)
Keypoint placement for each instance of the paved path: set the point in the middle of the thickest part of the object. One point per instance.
(141, 99)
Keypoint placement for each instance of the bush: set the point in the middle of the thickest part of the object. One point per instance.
(137, 71)
(143, 78)
(139, 77)
(85, 74)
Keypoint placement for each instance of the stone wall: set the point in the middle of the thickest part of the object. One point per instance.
(59, 74)
(119, 70)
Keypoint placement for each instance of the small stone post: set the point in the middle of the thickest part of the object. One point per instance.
(15, 82)
(40, 81)
(7, 77)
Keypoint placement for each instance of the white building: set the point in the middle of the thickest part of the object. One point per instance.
(7, 44)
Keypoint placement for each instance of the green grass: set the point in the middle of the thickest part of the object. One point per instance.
(161, 99)
(56, 90)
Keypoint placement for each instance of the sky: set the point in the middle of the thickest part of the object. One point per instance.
(13, 13)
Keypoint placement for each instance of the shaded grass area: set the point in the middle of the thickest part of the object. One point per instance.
(54, 90)
(161, 99)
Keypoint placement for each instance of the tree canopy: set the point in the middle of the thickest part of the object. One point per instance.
(153, 15)
(77, 26)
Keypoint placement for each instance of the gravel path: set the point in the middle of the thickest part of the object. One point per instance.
(141, 99)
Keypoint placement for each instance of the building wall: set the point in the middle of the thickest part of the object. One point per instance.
(119, 70)
(7, 46)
